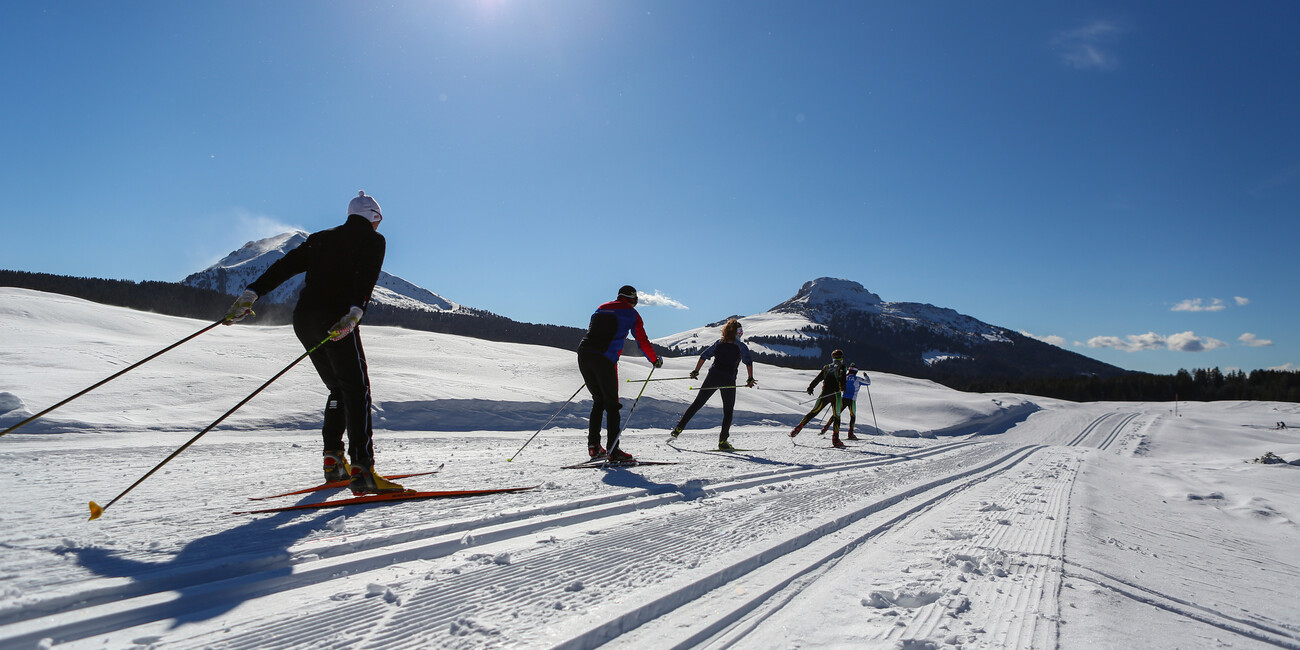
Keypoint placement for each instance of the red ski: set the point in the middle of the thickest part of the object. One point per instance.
(340, 484)
(409, 495)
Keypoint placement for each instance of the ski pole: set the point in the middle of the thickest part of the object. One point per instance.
(632, 381)
(621, 429)
(96, 510)
(819, 397)
(114, 376)
(714, 387)
(873, 408)
(548, 422)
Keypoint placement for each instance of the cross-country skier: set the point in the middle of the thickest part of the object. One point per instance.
(727, 353)
(598, 355)
(852, 384)
(832, 379)
(342, 265)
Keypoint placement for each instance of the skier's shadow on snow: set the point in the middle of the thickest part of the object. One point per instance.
(624, 477)
(738, 456)
(261, 544)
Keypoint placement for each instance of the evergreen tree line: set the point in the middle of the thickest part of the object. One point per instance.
(175, 299)
(1201, 385)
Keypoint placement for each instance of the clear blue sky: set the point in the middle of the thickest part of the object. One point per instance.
(1122, 176)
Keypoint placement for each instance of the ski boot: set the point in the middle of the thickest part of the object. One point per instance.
(796, 431)
(836, 442)
(366, 481)
(595, 451)
(723, 445)
(620, 456)
(677, 431)
(336, 467)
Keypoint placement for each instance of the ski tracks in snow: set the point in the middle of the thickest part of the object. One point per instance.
(574, 574)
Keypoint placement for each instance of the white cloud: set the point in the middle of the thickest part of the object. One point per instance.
(1086, 48)
(1048, 339)
(252, 226)
(1241, 302)
(657, 299)
(1198, 304)
(1181, 342)
(1286, 367)
(1190, 342)
(1283, 178)
(1252, 341)
(1131, 343)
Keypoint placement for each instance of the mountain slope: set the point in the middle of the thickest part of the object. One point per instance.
(915, 339)
(233, 273)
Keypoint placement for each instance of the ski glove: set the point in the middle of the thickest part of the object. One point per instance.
(695, 374)
(242, 307)
(346, 324)
(659, 362)
(866, 381)
(750, 383)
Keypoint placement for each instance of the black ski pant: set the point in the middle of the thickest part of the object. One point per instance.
(824, 401)
(852, 406)
(601, 376)
(707, 389)
(342, 366)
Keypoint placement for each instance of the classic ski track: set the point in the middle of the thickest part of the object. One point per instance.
(667, 548)
(1279, 637)
(1028, 561)
(722, 601)
(122, 603)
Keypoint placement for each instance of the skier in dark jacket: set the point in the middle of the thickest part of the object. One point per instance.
(342, 265)
(852, 384)
(832, 379)
(598, 355)
(727, 354)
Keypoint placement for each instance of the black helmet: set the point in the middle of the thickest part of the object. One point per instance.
(838, 354)
(629, 292)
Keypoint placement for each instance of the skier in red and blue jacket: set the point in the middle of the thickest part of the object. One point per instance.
(598, 355)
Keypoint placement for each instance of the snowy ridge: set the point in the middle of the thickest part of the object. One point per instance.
(233, 273)
(819, 303)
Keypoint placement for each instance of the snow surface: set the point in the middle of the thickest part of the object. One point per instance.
(973, 521)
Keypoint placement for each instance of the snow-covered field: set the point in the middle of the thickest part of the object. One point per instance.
(971, 521)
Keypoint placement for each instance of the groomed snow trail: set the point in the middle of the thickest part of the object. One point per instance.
(569, 569)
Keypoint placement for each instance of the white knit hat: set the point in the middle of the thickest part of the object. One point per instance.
(365, 206)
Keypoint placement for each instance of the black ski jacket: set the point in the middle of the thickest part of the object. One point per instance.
(835, 374)
(342, 265)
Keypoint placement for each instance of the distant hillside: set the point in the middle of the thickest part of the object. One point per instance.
(913, 339)
(175, 299)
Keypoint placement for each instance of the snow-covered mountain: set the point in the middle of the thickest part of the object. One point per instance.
(907, 337)
(235, 271)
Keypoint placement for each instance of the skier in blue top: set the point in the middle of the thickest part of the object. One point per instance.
(727, 354)
(598, 355)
